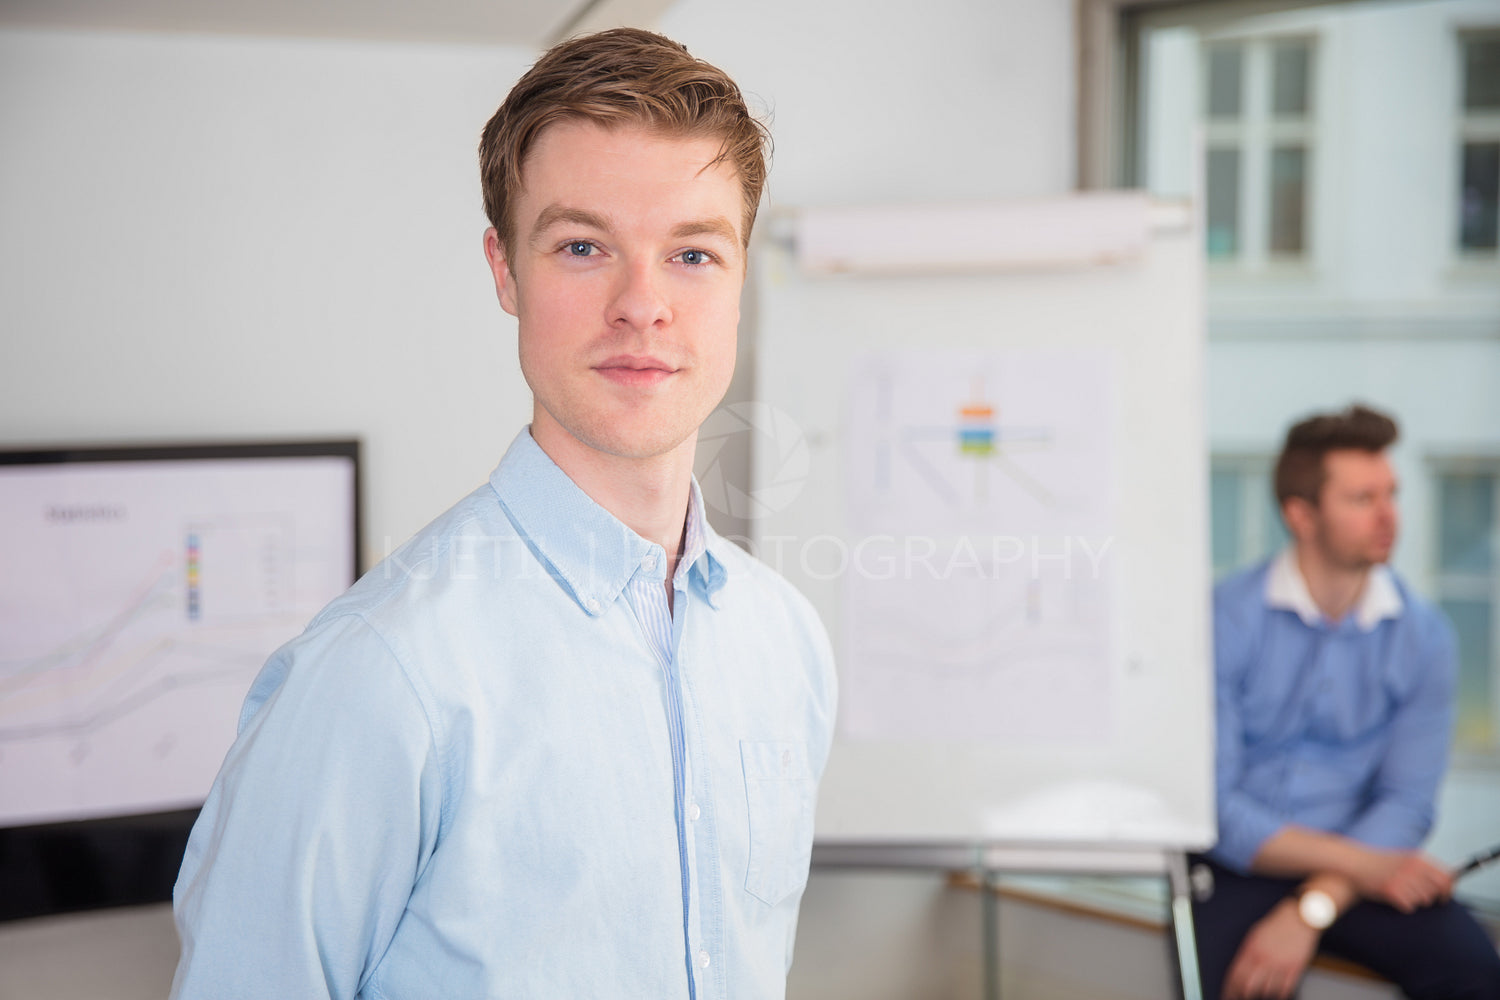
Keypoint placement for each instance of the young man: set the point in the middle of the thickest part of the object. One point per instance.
(565, 742)
(1335, 687)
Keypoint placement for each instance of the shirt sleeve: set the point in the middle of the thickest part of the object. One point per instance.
(1405, 786)
(1244, 822)
(305, 854)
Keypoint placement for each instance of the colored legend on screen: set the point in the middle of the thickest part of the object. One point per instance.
(194, 609)
(976, 430)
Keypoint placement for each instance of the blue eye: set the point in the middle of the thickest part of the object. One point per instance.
(694, 257)
(579, 248)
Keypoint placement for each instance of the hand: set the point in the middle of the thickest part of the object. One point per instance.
(1273, 956)
(1407, 880)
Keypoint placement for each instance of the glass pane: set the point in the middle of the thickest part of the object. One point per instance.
(1291, 66)
(1466, 519)
(1226, 528)
(1275, 534)
(1482, 73)
(1225, 73)
(1479, 204)
(1472, 620)
(1223, 202)
(1288, 199)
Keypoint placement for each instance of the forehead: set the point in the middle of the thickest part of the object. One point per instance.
(1351, 468)
(626, 163)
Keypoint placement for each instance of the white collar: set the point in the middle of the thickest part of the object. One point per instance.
(1286, 589)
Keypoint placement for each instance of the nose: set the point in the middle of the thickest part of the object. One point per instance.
(639, 301)
(1388, 512)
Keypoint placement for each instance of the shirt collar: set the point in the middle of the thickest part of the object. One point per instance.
(1287, 590)
(590, 551)
(694, 541)
(697, 552)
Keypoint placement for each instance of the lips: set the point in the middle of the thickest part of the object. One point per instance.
(635, 370)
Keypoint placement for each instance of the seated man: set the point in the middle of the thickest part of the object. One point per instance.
(1334, 707)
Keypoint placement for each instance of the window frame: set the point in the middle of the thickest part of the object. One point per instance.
(1449, 585)
(1257, 538)
(1470, 127)
(1257, 133)
(1108, 77)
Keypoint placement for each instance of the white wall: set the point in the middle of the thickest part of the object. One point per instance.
(886, 101)
(207, 238)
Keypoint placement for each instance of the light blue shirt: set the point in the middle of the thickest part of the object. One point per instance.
(1341, 727)
(477, 775)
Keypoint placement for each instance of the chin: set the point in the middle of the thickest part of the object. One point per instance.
(628, 442)
(614, 431)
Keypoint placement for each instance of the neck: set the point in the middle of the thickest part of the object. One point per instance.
(650, 495)
(1334, 589)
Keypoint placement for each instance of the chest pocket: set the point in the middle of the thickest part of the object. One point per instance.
(780, 790)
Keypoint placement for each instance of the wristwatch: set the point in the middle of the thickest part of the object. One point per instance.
(1317, 909)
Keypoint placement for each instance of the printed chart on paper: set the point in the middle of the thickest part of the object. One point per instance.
(980, 495)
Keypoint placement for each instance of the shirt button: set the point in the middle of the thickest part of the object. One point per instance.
(694, 812)
(702, 959)
(650, 562)
(592, 604)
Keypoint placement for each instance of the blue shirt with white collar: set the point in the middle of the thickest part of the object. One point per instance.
(499, 767)
(1337, 726)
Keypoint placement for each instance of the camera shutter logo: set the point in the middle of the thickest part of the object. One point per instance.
(726, 441)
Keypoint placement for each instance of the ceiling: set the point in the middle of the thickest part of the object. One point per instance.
(525, 23)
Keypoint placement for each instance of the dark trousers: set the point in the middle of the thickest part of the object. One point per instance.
(1437, 953)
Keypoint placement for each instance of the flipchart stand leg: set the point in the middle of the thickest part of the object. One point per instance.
(989, 907)
(1182, 926)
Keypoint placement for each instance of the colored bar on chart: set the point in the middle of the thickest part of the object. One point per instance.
(194, 607)
(976, 430)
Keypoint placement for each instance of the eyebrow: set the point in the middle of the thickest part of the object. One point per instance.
(717, 226)
(554, 214)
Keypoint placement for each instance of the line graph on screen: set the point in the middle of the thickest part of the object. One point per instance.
(147, 598)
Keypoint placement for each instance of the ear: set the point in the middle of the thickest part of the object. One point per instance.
(1300, 517)
(505, 278)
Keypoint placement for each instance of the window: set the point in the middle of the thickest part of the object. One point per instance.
(1479, 156)
(1467, 586)
(1244, 520)
(1257, 109)
(1367, 135)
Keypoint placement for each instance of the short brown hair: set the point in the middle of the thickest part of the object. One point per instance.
(624, 76)
(1300, 470)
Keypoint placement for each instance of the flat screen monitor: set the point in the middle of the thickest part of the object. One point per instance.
(141, 590)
